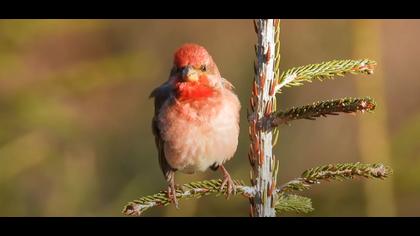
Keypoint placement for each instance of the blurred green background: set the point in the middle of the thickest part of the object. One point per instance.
(75, 133)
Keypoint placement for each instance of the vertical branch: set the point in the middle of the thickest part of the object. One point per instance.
(263, 103)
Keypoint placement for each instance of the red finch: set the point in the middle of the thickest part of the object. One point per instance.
(196, 121)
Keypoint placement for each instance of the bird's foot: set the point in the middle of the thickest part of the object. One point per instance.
(227, 180)
(172, 195)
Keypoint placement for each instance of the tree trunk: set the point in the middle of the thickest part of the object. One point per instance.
(263, 103)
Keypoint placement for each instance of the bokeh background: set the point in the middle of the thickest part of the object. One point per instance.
(75, 134)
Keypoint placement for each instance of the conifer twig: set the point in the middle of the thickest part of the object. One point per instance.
(325, 70)
(317, 109)
(293, 203)
(186, 191)
(336, 172)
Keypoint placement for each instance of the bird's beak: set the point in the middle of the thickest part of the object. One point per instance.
(189, 74)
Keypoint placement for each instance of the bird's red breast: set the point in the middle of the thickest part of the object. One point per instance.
(194, 90)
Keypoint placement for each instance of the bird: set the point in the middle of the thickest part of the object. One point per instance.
(196, 118)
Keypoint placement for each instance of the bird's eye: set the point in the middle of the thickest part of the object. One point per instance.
(203, 68)
(178, 69)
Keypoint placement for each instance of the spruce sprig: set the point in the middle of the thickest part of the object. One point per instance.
(339, 172)
(325, 70)
(317, 109)
(187, 191)
(293, 203)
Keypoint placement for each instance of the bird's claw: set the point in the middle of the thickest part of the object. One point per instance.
(172, 195)
(231, 187)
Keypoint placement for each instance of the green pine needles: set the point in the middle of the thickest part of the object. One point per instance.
(325, 70)
(293, 203)
(339, 172)
(318, 109)
(286, 202)
(283, 198)
(187, 191)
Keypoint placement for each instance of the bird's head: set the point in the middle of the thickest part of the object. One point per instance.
(195, 73)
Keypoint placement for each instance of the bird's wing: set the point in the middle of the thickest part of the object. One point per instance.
(161, 95)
